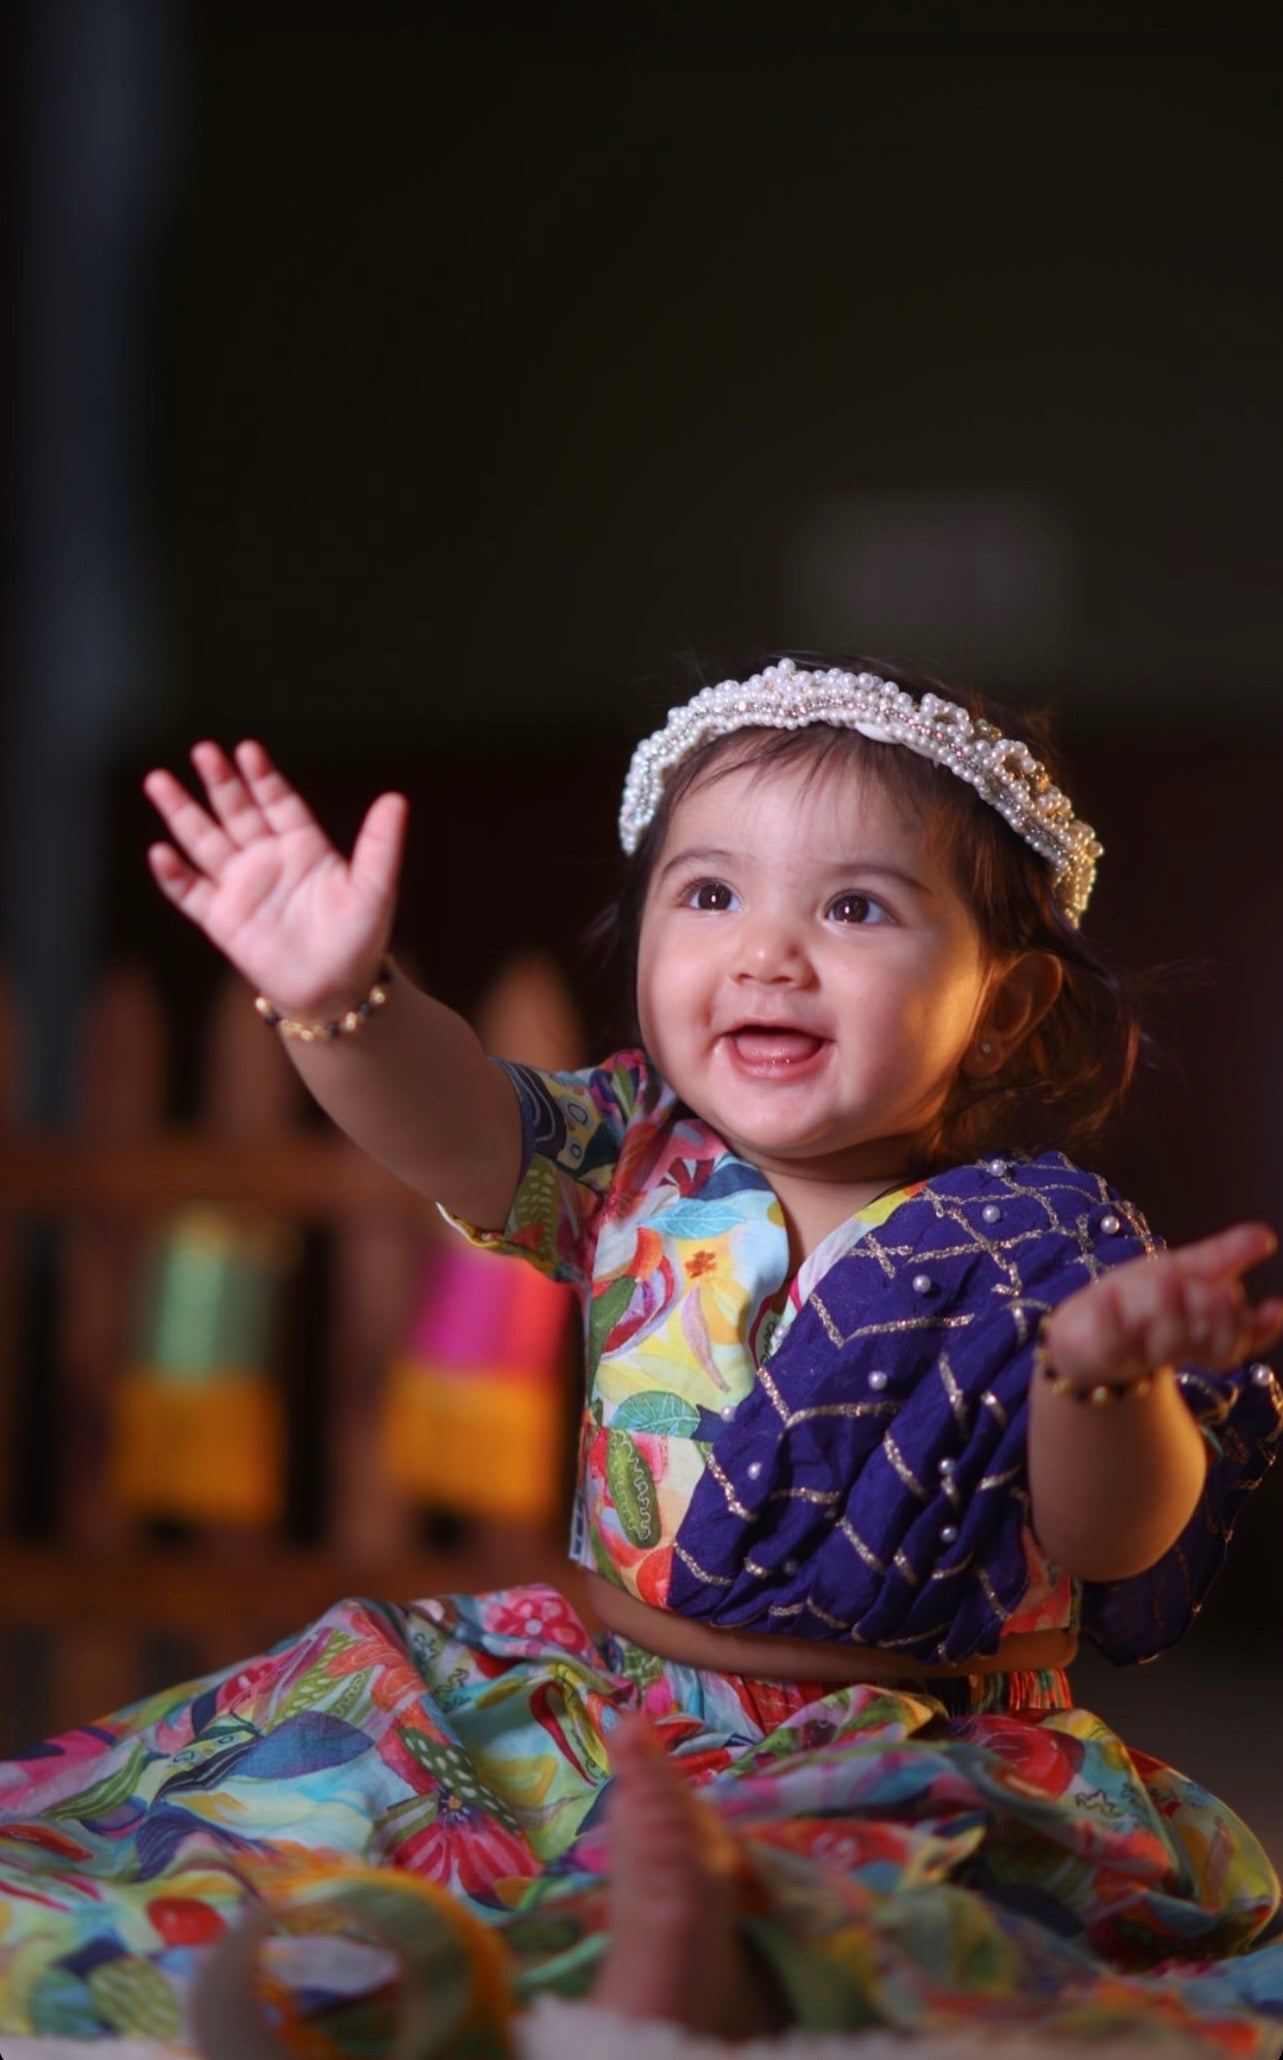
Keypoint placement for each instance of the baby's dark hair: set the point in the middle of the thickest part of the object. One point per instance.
(1070, 1075)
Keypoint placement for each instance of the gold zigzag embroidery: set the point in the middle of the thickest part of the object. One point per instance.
(903, 1469)
(950, 1573)
(858, 1546)
(915, 1638)
(831, 1331)
(999, 1480)
(701, 1573)
(840, 1409)
(825, 1497)
(957, 1400)
(733, 1502)
(994, 1604)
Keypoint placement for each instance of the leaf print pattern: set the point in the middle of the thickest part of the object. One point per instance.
(675, 1247)
(633, 1490)
(1055, 1881)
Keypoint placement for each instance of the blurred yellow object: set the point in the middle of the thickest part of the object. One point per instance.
(473, 1414)
(198, 1430)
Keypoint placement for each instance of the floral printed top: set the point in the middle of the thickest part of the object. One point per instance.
(679, 1252)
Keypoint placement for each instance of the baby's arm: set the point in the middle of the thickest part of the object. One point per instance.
(310, 929)
(1112, 1487)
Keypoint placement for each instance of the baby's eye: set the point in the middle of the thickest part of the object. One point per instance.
(856, 908)
(710, 894)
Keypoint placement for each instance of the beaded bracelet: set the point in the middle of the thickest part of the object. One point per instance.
(1101, 1394)
(338, 1026)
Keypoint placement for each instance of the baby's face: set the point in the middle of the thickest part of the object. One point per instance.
(809, 977)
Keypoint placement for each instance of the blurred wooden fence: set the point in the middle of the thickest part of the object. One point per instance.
(99, 1603)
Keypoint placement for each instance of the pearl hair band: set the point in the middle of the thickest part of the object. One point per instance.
(1002, 770)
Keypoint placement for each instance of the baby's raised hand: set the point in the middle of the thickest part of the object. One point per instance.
(1184, 1304)
(256, 872)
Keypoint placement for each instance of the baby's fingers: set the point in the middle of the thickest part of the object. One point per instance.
(282, 805)
(1170, 1316)
(1148, 1314)
(199, 839)
(179, 882)
(1264, 1327)
(1223, 1327)
(229, 797)
(376, 855)
(1226, 1252)
(1219, 1323)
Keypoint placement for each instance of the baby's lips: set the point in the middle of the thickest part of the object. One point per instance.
(778, 1046)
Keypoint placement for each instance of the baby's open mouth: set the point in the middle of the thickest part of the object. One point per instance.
(760, 1045)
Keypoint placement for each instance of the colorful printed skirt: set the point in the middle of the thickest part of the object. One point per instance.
(912, 1859)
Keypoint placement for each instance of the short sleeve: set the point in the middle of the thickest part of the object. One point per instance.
(1241, 1417)
(572, 1132)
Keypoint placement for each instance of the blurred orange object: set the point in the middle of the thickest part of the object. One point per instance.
(199, 1420)
(474, 1418)
(198, 1415)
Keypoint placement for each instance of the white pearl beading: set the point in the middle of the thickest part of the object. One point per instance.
(1003, 771)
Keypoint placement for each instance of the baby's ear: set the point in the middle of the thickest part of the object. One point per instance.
(1020, 997)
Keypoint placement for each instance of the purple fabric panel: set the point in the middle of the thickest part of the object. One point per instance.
(1136, 1619)
(827, 1508)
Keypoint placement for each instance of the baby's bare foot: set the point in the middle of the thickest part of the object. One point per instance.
(675, 1950)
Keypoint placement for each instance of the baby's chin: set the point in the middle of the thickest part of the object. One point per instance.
(818, 1159)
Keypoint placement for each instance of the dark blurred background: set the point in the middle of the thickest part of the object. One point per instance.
(426, 396)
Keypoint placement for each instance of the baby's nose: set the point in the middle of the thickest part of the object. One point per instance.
(771, 949)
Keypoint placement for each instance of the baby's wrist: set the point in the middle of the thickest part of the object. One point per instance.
(328, 1018)
(1097, 1387)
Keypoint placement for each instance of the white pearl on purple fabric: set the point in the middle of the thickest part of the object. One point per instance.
(727, 1411)
(878, 1381)
(991, 1212)
(923, 1284)
(792, 1566)
(1111, 1224)
(754, 1469)
(948, 1532)
(998, 1166)
(1263, 1375)
(947, 1468)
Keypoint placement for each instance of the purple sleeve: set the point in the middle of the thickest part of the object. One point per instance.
(1241, 1416)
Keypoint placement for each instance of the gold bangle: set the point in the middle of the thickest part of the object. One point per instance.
(1100, 1394)
(338, 1026)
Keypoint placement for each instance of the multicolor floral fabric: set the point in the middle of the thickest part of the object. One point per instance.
(922, 1860)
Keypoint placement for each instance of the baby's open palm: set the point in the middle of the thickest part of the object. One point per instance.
(257, 873)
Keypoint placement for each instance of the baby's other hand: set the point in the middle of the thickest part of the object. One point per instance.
(1185, 1304)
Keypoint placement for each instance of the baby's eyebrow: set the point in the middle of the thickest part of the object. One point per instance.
(864, 866)
(703, 854)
